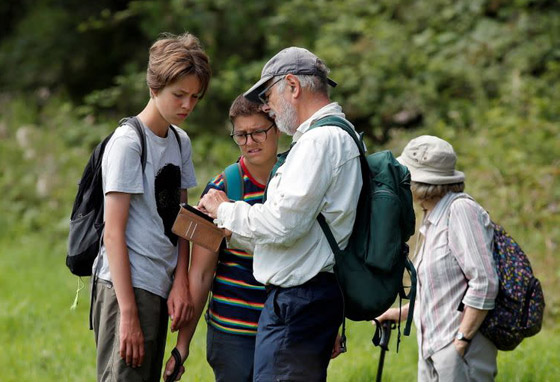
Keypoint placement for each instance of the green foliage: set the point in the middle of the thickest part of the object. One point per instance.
(511, 162)
(61, 46)
(483, 74)
(399, 63)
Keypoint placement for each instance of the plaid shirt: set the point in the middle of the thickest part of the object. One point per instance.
(454, 264)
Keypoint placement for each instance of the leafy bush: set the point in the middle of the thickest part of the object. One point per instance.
(483, 74)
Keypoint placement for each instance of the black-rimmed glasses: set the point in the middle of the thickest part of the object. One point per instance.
(262, 95)
(258, 136)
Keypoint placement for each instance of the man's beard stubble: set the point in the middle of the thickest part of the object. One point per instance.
(286, 119)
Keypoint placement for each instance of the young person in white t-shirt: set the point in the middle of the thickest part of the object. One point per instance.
(141, 271)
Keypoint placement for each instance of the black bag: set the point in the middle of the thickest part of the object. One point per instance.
(86, 220)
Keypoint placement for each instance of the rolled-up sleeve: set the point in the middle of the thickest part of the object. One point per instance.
(471, 240)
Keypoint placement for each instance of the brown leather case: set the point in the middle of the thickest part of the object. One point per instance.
(198, 228)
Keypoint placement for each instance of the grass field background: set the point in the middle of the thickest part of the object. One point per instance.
(43, 340)
(483, 75)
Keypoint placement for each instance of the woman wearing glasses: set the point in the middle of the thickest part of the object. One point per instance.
(237, 298)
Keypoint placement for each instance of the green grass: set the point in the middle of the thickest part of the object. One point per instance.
(45, 341)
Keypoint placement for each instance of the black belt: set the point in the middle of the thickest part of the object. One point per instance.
(320, 278)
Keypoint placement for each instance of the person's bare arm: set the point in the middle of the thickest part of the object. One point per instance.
(131, 346)
(179, 302)
(392, 314)
(201, 275)
(472, 319)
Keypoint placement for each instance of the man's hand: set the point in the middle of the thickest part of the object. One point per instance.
(131, 339)
(210, 202)
(179, 303)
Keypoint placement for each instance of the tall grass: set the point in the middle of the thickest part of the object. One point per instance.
(511, 161)
(43, 340)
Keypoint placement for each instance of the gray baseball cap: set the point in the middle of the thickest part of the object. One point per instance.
(291, 60)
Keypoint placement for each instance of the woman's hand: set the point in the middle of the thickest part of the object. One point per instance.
(337, 348)
(460, 346)
(392, 314)
(131, 346)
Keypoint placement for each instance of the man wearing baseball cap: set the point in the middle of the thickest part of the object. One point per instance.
(292, 257)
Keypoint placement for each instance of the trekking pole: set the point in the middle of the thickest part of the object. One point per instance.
(381, 338)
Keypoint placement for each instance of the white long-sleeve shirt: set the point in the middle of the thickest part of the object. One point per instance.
(321, 175)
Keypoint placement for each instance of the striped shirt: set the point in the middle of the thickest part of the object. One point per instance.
(237, 298)
(454, 265)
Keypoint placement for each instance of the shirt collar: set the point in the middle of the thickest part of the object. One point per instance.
(441, 207)
(332, 108)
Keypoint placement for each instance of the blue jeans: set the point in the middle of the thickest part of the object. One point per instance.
(230, 356)
(297, 330)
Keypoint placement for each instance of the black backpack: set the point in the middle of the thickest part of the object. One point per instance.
(86, 220)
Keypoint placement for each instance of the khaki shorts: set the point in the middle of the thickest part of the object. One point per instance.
(152, 311)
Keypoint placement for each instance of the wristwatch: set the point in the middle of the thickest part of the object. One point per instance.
(461, 337)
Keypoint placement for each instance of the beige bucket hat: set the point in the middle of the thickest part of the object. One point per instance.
(431, 160)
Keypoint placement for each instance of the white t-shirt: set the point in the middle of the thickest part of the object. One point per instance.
(155, 193)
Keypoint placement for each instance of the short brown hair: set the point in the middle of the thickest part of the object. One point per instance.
(241, 106)
(173, 57)
(425, 191)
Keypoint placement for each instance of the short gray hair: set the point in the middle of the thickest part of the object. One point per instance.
(313, 83)
(425, 191)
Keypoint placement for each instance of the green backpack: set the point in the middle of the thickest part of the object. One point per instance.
(370, 269)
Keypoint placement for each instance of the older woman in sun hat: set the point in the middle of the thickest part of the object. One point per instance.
(457, 281)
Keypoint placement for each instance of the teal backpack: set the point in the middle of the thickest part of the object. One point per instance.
(233, 181)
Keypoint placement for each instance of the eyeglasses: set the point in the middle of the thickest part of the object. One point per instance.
(262, 95)
(258, 136)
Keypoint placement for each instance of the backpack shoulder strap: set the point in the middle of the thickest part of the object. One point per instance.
(135, 123)
(333, 120)
(233, 179)
(176, 133)
(328, 233)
